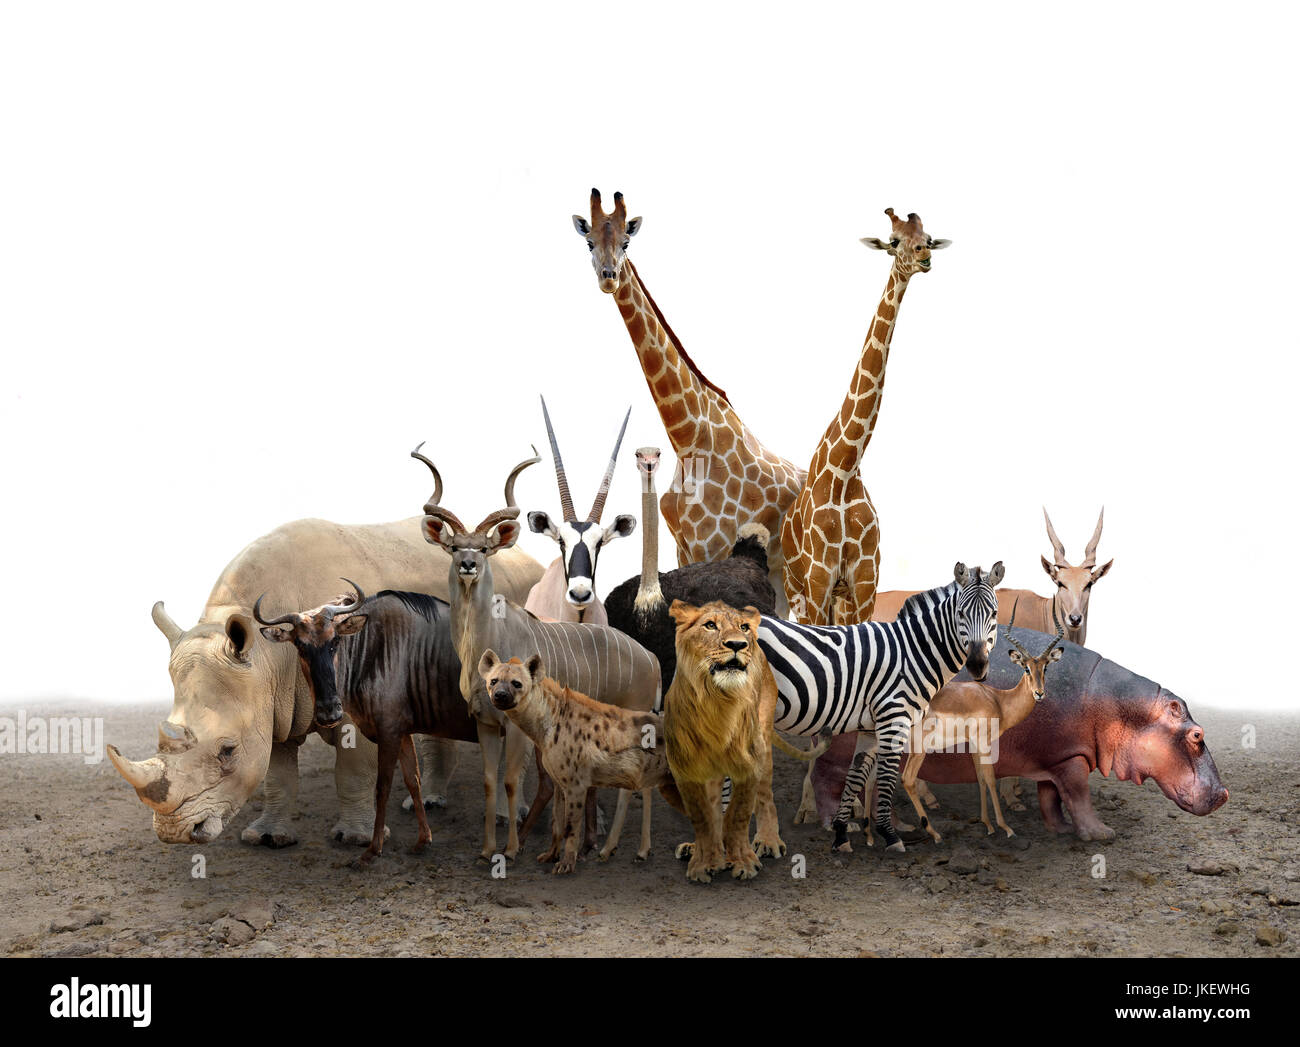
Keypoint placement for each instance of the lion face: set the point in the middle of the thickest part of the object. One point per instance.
(720, 639)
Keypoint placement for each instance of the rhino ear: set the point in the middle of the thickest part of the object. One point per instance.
(239, 631)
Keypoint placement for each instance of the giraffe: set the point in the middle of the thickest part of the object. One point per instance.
(830, 539)
(726, 478)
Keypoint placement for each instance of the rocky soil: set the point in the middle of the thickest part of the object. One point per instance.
(81, 873)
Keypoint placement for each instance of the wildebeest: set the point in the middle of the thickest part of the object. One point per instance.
(389, 663)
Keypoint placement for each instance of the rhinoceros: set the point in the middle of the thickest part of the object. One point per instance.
(242, 706)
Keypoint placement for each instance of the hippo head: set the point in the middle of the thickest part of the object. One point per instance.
(1168, 746)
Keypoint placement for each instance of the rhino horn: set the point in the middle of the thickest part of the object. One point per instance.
(175, 738)
(147, 777)
(165, 624)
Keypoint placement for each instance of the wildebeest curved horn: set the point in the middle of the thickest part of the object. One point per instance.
(566, 499)
(1011, 625)
(284, 619)
(1090, 553)
(357, 600)
(514, 475)
(598, 506)
(437, 479)
(1058, 550)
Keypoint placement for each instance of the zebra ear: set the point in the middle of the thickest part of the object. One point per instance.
(960, 573)
(996, 575)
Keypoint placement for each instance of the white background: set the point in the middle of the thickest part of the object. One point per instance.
(250, 254)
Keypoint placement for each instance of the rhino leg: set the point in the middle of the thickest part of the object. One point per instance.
(438, 758)
(1071, 777)
(273, 828)
(356, 767)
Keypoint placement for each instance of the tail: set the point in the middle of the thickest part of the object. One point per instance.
(800, 754)
(751, 542)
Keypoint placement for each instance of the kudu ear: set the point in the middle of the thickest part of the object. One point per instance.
(353, 623)
(581, 224)
(634, 226)
(623, 525)
(239, 631)
(996, 575)
(1101, 571)
(438, 531)
(502, 536)
(540, 523)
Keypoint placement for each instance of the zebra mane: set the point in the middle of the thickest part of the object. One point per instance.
(917, 602)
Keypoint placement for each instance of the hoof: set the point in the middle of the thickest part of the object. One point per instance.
(897, 845)
(641, 856)
(605, 855)
(419, 847)
(363, 860)
(356, 837)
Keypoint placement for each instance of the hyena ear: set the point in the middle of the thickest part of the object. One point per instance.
(683, 613)
(534, 666)
(488, 662)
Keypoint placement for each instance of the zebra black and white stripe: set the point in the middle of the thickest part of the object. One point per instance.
(880, 676)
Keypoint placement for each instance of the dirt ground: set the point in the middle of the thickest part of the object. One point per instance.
(81, 873)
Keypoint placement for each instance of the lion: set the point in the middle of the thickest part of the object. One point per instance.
(718, 717)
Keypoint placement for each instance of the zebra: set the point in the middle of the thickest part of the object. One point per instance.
(880, 676)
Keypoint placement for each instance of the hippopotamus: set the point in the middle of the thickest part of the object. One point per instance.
(1096, 715)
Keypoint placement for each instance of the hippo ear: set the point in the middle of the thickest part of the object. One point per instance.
(1174, 711)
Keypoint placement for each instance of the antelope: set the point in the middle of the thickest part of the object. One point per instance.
(594, 660)
(567, 591)
(1069, 603)
(973, 716)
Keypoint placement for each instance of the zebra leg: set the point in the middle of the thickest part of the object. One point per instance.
(892, 739)
(864, 759)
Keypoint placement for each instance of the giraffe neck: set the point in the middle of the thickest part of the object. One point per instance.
(682, 394)
(850, 432)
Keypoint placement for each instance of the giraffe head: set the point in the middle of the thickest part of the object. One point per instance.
(580, 541)
(908, 243)
(1074, 584)
(607, 237)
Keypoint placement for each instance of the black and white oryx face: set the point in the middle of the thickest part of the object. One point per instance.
(580, 541)
(977, 615)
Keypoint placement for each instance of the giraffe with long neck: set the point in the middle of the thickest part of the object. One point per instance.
(831, 539)
(726, 477)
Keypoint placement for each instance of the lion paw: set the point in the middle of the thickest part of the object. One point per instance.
(684, 851)
(746, 867)
(766, 849)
